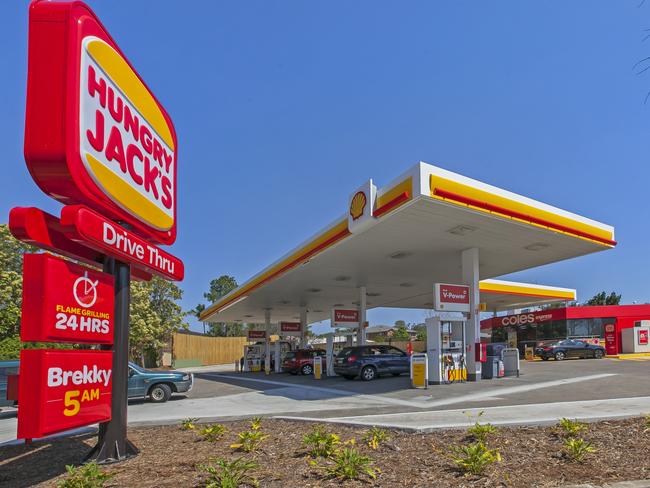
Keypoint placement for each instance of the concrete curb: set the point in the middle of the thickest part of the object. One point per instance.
(620, 484)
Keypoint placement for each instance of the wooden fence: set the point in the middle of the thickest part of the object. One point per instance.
(197, 350)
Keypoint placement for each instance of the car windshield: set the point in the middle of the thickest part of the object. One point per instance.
(290, 355)
(139, 369)
(345, 352)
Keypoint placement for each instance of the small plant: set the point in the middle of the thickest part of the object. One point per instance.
(646, 419)
(576, 449)
(213, 432)
(249, 441)
(188, 424)
(474, 458)
(480, 432)
(375, 436)
(233, 474)
(86, 476)
(256, 423)
(321, 443)
(572, 428)
(349, 464)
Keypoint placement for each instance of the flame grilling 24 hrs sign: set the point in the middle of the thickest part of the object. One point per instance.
(63, 301)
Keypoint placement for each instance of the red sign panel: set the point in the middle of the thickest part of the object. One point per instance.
(346, 316)
(94, 132)
(611, 339)
(60, 390)
(257, 334)
(451, 298)
(65, 302)
(290, 327)
(93, 230)
(643, 337)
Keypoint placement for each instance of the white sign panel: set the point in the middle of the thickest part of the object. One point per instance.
(451, 298)
(361, 208)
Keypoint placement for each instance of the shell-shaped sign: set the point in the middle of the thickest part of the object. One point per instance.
(358, 205)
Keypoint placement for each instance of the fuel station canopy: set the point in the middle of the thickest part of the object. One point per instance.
(399, 240)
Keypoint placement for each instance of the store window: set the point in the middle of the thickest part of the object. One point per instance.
(587, 327)
(554, 329)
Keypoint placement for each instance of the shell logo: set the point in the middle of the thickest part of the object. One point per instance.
(358, 205)
(126, 143)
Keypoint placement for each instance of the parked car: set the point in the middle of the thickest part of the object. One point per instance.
(157, 385)
(302, 361)
(368, 362)
(569, 348)
(6, 368)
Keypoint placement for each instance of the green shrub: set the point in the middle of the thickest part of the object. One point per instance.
(572, 428)
(646, 419)
(233, 474)
(320, 443)
(86, 476)
(349, 464)
(212, 432)
(188, 424)
(577, 449)
(249, 441)
(474, 458)
(375, 436)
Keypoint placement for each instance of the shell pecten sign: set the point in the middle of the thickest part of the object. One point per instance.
(115, 149)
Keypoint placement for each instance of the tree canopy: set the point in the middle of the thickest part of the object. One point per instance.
(603, 299)
(220, 287)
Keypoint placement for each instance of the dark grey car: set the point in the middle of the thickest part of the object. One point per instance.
(368, 362)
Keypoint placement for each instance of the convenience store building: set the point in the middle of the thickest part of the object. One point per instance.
(602, 323)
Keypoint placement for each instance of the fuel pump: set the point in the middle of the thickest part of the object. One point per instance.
(446, 350)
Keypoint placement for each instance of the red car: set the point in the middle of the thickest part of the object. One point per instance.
(302, 361)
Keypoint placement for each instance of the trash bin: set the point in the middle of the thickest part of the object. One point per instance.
(490, 368)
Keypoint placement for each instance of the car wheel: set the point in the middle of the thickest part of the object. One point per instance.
(559, 356)
(348, 377)
(160, 393)
(598, 354)
(307, 370)
(368, 373)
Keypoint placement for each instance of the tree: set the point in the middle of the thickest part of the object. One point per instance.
(220, 287)
(603, 299)
(400, 332)
(155, 314)
(11, 286)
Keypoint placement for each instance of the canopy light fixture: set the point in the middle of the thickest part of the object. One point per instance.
(400, 254)
(342, 278)
(406, 285)
(317, 311)
(536, 246)
(373, 294)
(338, 305)
(313, 290)
(284, 302)
(462, 230)
(248, 316)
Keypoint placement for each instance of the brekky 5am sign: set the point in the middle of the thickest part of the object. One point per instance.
(98, 141)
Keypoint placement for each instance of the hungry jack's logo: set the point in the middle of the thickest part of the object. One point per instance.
(358, 205)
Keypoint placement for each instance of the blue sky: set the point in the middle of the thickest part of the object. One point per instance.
(284, 107)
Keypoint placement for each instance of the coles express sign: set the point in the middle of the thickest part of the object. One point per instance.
(63, 301)
(67, 389)
(114, 147)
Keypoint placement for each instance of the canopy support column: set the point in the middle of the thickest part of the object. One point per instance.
(303, 327)
(267, 341)
(470, 273)
(361, 331)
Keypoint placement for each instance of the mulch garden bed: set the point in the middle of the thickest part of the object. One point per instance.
(171, 457)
